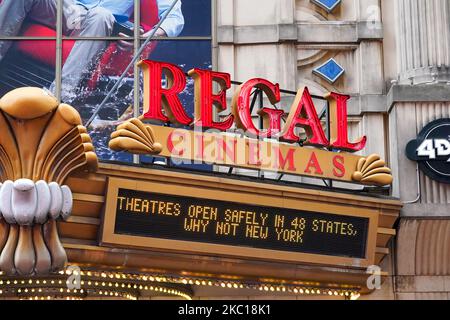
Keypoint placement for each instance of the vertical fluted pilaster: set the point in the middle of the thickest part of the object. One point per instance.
(423, 40)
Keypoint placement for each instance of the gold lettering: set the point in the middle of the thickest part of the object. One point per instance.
(129, 205)
(120, 202)
(145, 206)
(161, 207)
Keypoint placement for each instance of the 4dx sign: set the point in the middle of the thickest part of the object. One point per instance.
(434, 148)
(431, 150)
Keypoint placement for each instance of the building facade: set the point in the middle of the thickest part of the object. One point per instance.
(396, 60)
(392, 57)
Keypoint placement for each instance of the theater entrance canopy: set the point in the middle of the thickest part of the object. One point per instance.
(133, 230)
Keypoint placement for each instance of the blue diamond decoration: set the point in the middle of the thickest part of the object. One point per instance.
(330, 71)
(328, 5)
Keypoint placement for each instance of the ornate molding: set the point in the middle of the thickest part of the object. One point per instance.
(373, 170)
(41, 144)
(135, 137)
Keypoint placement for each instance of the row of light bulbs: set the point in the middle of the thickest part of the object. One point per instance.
(109, 281)
(350, 293)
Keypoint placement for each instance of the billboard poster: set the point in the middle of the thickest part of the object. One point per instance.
(90, 67)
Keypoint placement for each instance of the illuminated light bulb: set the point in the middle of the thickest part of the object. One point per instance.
(15, 281)
(336, 293)
(103, 275)
(223, 285)
(30, 281)
(203, 283)
(235, 286)
(330, 293)
(355, 296)
(19, 291)
(197, 282)
(153, 279)
(301, 291)
(210, 283)
(229, 285)
(44, 282)
(307, 291)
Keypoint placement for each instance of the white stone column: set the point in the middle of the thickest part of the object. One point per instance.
(423, 33)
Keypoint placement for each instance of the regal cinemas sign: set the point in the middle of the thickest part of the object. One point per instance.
(278, 147)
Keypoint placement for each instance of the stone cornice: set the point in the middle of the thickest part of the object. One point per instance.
(435, 92)
(303, 32)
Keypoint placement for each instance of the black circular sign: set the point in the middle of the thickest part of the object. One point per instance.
(431, 150)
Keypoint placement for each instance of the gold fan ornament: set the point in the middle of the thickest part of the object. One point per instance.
(373, 170)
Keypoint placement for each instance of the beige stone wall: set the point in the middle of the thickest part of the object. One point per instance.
(396, 55)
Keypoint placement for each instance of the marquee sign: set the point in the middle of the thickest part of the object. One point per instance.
(431, 150)
(153, 215)
(273, 148)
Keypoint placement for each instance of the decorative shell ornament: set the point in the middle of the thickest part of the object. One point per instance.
(41, 144)
(135, 137)
(373, 170)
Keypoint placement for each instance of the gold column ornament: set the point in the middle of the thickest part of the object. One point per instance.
(41, 144)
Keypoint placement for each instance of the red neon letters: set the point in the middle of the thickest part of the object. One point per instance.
(162, 103)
